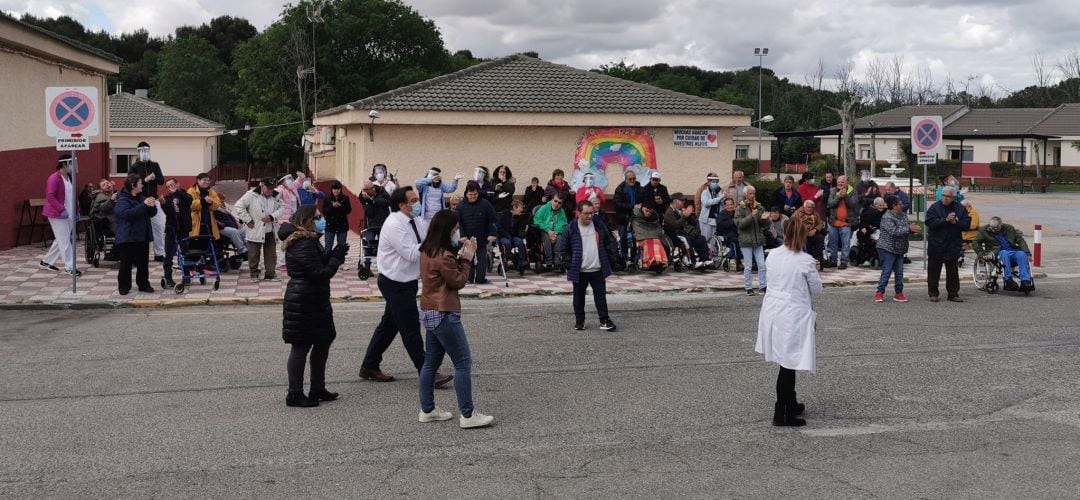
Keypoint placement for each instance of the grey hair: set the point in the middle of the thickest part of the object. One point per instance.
(995, 222)
(879, 200)
(948, 190)
(809, 203)
(749, 189)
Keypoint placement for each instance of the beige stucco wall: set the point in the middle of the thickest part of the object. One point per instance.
(409, 150)
(180, 155)
(23, 80)
(751, 144)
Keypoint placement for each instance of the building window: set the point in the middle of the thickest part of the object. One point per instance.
(742, 152)
(864, 152)
(1014, 155)
(968, 153)
(122, 159)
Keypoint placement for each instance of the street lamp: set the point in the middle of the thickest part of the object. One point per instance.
(757, 123)
(760, 52)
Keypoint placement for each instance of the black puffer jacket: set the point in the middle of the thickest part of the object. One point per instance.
(308, 316)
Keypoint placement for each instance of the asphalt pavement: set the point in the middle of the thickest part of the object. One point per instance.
(943, 400)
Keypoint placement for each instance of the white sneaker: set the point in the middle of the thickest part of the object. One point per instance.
(436, 415)
(476, 420)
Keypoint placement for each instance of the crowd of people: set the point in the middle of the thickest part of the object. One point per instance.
(429, 239)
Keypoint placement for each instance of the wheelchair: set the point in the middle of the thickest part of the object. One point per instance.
(534, 249)
(629, 253)
(100, 242)
(986, 274)
(724, 252)
(369, 249)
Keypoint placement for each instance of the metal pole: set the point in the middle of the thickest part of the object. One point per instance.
(1023, 159)
(926, 206)
(759, 112)
(73, 212)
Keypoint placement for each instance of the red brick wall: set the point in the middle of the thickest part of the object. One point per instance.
(26, 171)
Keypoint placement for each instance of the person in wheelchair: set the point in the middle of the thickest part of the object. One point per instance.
(774, 234)
(680, 223)
(513, 224)
(725, 226)
(815, 241)
(101, 209)
(1006, 244)
(867, 235)
(550, 219)
(648, 231)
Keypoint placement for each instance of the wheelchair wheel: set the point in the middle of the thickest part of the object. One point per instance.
(992, 287)
(235, 262)
(179, 288)
(217, 284)
(202, 281)
(981, 274)
(363, 273)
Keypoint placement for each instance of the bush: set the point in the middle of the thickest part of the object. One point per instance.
(765, 187)
(948, 167)
(1003, 169)
(821, 163)
(1058, 175)
(749, 167)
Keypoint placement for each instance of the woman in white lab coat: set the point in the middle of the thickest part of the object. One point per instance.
(786, 324)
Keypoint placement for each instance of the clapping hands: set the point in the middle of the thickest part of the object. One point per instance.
(339, 252)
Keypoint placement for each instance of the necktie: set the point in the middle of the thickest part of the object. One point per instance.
(412, 223)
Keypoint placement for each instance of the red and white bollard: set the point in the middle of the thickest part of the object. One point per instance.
(1038, 245)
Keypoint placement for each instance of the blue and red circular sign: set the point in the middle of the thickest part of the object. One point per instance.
(72, 111)
(927, 135)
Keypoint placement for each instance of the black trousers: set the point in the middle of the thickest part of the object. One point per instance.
(298, 358)
(137, 255)
(399, 316)
(594, 279)
(815, 246)
(933, 276)
(785, 386)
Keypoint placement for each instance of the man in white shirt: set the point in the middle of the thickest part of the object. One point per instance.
(584, 248)
(398, 262)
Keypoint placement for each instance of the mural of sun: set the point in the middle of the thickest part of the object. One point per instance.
(623, 148)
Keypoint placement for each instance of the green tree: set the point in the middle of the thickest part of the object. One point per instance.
(191, 77)
(225, 32)
(277, 142)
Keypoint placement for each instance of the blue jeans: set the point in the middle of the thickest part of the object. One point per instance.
(1018, 258)
(515, 242)
(447, 338)
(328, 239)
(758, 254)
(893, 264)
(839, 243)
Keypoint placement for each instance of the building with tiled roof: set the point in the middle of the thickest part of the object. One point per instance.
(1033, 137)
(534, 116)
(184, 144)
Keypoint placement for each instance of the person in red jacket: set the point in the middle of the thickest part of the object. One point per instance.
(589, 191)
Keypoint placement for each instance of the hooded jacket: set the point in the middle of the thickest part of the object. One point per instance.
(250, 210)
(307, 316)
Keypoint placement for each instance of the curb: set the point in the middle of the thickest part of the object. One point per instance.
(267, 301)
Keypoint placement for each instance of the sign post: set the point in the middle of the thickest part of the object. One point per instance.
(71, 116)
(926, 135)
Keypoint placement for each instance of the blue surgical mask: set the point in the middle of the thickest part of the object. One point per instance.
(320, 225)
(416, 209)
(455, 238)
(714, 185)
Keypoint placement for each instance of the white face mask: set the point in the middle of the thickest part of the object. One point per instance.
(380, 175)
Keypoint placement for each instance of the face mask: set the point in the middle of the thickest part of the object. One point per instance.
(380, 176)
(479, 175)
(455, 238)
(144, 155)
(320, 225)
(589, 182)
(416, 208)
(714, 185)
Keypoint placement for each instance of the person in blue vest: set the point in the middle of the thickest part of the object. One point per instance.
(431, 190)
(584, 247)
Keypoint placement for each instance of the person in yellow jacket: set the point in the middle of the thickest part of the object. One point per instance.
(203, 203)
(969, 236)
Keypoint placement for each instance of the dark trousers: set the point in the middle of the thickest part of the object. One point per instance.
(933, 276)
(298, 358)
(815, 246)
(594, 279)
(170, 254)
(479, 271)
(138, 255)
(399, 316)
(785, 386)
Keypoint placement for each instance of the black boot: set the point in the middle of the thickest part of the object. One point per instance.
(322, 395)
(300, 400)
(798, 408)
(783, 416)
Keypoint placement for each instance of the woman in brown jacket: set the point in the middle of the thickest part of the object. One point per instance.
(444, 271)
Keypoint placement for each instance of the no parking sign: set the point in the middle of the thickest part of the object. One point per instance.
(71, 116)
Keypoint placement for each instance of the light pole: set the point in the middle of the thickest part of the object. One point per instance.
(760, 52)
(758, 122)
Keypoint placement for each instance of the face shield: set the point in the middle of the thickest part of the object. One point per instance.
(144, 153)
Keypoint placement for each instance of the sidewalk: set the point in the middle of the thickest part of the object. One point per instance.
(23, 284)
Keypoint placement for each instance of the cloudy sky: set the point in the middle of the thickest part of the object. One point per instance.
(990, 40)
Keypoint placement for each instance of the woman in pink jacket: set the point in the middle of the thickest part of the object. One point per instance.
(59, 209)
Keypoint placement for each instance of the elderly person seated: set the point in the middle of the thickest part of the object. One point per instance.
(648, 229)
(101, 208)
(775, 233)
(230, 227)
(1007, 244)
(725, 226)
(680, 224)
(815, 242)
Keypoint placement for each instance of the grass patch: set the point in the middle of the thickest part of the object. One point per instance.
(1064, 188)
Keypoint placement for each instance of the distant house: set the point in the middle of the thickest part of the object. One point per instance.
(1033, 137)
(745, 145)
(33, 59)
(184, 144)
(534, 116)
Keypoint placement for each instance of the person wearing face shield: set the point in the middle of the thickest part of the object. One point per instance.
(712, 200)
(589, 191)
(482, 178)
(431, 190)
(153, 180)
(382, 178)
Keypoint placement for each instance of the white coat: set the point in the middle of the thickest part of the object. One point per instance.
(251, 208)
(786, 324)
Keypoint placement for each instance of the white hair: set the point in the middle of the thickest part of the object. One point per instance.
(948, 190)
(879, 200)
(748, 190)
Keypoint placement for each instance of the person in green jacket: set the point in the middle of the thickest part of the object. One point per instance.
(751, 218)
(1008, 245)
(551, 218)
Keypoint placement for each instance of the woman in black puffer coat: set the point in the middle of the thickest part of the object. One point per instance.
(308, 318)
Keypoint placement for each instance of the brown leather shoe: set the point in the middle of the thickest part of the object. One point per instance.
(955, 299)
(375, 375)
(442, 379)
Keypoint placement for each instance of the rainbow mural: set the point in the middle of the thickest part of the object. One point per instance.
(626, 148)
